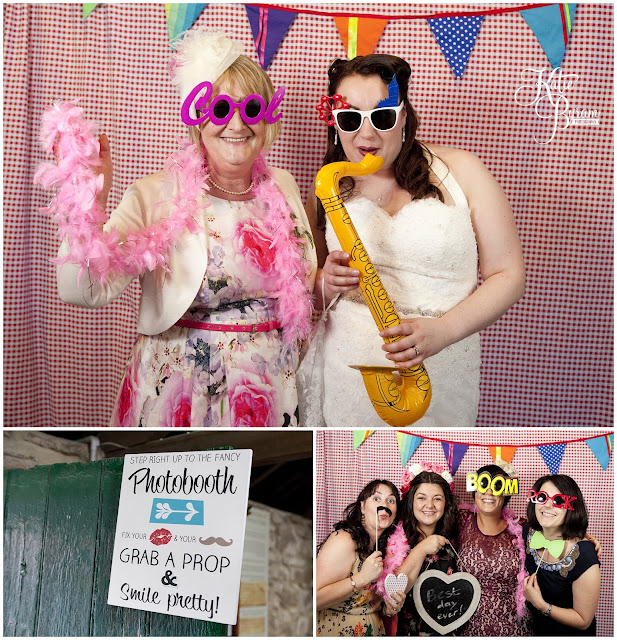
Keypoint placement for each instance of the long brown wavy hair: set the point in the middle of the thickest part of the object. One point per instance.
(411, 168)
(447, 525)
(352, 519)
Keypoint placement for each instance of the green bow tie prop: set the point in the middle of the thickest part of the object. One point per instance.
(554, 547)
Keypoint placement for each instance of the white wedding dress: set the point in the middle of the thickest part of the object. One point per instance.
(427, 258)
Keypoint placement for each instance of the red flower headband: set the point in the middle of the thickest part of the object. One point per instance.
(419, 467)
(327, 105)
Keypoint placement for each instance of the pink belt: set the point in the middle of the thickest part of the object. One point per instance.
(245, 328)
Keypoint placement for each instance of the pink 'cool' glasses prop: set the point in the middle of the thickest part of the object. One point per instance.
(559, 500)
(221, 109)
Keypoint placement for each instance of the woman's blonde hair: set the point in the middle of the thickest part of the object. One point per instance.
(249, 77)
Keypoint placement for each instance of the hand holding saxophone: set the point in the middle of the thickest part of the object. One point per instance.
(423, 337)
(338, 276)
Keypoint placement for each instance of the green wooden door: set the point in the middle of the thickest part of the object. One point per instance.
(59, 526)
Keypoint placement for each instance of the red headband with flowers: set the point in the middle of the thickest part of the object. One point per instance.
(419, 467)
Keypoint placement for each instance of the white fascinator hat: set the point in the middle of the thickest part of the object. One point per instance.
(201, 55)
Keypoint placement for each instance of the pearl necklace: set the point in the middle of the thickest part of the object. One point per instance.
(231, 193)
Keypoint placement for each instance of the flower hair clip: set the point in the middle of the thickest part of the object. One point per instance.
(507, 467)
(327, 105)
(419, 467)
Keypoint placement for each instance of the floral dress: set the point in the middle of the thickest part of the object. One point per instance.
(356, 616)
(191, 377)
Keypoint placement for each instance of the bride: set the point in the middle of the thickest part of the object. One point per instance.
(427, 218)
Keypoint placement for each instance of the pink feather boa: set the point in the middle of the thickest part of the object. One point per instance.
(396, 552)
(106, 255)
(398, 549)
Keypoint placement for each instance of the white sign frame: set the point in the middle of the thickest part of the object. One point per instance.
(180, 533)
(443, 629)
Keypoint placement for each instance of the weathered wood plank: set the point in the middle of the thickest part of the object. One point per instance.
(25, 505)
(68, 552)
(107, 620)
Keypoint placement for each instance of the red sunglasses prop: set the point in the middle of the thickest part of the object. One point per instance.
(559, 500)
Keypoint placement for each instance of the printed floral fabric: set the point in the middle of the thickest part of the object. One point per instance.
(187, 377)
(356, 616)
(495, 561)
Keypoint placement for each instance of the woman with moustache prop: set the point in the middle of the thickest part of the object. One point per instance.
(350, 560)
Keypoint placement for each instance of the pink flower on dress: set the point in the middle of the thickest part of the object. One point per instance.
(253, 242)
(176, 402)
(252, 401)
(127, 406)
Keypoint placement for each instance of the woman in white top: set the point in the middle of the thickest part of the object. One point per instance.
(427, 218)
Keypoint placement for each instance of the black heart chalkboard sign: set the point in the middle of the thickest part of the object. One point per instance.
(445, 602)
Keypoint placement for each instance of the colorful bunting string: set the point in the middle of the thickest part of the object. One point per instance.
(359, 437)
(182, 16)
(505, 453)
(269, 27)
(552, 26)
(455, 31)
(407, 445)
(454, 453)
(359, 35)
(88, 8)
(456, 38)
(552, 455)
(601, 447)
(551, 452)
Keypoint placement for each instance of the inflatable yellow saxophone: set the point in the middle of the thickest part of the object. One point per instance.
(400, 396)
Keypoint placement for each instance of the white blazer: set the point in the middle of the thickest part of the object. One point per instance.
(165, 296)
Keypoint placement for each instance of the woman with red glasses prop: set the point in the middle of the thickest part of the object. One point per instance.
(563, 585)
(427, 218)
(351, 559)
(222, 246)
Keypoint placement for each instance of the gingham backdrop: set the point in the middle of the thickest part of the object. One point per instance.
(342, 472)
(547, 362)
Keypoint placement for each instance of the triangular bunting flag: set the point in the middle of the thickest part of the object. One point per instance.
(454, 453)
(601, 447)
(181, 17)
(360, 35)
(456, 37)
(269, 27)
(505, 453)
(407, 444)
(552, 455)
(88, 8)
(359, 437)
(552, 26)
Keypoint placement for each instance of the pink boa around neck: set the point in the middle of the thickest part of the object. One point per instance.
(107, 255)
(516, 531)
(396, 552)
(398, 549)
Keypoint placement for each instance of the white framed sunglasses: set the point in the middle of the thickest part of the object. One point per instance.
(381, 118)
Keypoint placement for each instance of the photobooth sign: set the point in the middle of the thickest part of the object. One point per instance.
(180, 534)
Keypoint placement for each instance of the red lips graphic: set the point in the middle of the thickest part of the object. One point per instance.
(160, 536)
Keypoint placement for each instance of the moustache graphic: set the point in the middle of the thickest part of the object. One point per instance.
(388, 511)
(212, 540)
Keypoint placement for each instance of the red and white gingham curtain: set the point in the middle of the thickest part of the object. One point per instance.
(547, 362)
